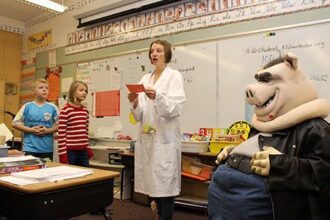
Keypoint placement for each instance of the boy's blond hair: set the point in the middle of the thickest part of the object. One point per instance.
(73, 88)
(38, 81)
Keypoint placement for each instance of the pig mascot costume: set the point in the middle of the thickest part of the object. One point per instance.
(282, 171)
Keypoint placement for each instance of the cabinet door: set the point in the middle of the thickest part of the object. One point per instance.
(12, 73)
(2, 52)
(2, 100)
(12, 57)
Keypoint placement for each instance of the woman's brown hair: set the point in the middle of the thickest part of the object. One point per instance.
(167, 49)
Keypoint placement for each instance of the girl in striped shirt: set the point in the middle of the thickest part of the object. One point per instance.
(73, 144)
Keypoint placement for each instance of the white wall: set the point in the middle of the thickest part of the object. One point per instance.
(63, 24)
(11, 25)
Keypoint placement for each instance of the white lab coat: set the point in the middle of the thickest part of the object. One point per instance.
(158, 156)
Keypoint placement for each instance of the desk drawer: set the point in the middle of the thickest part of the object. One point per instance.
(57, 204)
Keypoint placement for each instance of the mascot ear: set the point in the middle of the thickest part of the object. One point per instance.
(291, 60)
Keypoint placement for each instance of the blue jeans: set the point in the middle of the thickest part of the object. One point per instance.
(235, 195)
(78, 157)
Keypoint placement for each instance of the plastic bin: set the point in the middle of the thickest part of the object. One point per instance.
(194, 167)
(203, 169)
(216, 146)
(194, 146)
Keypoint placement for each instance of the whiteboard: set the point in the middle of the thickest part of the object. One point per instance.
(216, 73)
(240, 57)
(197, 65)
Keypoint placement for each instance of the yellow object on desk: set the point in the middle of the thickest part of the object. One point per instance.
(216, 146)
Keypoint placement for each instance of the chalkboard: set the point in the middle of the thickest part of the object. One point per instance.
(215, 74)
(239, 58)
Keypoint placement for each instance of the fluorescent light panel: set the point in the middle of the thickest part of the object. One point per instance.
(48, 4)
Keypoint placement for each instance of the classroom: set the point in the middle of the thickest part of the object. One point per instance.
(164, 109)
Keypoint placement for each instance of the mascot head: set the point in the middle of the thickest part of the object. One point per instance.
(283, 95)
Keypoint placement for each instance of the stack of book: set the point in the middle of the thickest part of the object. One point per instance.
(48, 174)
(22, 163)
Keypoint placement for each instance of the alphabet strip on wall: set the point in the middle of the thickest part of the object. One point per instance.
(123, 31)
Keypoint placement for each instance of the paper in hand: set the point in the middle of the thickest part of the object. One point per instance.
(136, 88)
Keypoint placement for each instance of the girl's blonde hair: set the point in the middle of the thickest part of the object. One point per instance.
(36, 82)
(73, 88)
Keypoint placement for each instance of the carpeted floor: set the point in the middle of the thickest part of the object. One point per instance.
(127, 210)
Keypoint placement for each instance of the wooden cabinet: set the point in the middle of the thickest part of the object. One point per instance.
(2, 100)
(2, 52)
(194, 192)
(10, 74)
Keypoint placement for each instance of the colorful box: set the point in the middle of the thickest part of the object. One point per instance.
(207, 132)
(219, 131)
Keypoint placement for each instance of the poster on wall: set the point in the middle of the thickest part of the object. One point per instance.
(52, 58)
(106, 103)
(53, 78)
(83, 73)
(27, 77)
(39, 40)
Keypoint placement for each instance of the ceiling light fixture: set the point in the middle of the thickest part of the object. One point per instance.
(47, 4)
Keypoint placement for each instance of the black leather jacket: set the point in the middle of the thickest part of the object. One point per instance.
(299, 180)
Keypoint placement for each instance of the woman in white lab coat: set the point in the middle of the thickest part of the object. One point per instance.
(157, 152)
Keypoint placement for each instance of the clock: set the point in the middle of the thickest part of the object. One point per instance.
(242, 128)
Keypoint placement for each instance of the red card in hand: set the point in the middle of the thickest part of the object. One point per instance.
(136, 88)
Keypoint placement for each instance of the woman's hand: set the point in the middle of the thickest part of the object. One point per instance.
(150, 92)
(133, 97)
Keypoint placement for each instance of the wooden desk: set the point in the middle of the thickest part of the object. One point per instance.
(58, 200)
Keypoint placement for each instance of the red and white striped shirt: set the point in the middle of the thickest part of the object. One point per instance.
(72, 130)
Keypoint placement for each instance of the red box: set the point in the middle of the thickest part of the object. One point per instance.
(207, 132)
